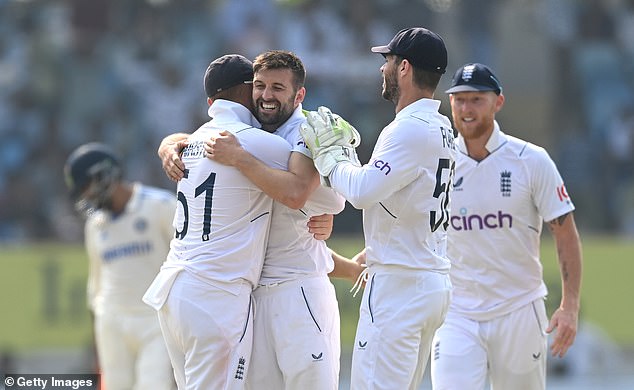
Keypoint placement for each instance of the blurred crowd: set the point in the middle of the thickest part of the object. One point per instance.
(128, 72)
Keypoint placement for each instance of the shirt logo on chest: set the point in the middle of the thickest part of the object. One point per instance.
(505, 183)
(140, 225)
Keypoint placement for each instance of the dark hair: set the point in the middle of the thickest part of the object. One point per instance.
(281, 59)
(424, 79)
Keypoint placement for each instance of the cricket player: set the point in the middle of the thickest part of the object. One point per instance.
(203, 291)
(127, 233)
(496, 328)
(296, 337)
(404, 194)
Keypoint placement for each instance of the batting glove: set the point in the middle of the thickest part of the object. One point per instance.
(323, 129)
(327, 158)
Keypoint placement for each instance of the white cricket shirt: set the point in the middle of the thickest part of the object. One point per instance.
(292, 251)
(126, 251)
(403, 190)
(498, 206)
(222, 218)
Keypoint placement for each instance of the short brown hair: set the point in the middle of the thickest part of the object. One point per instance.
(424, 79)
(281, 59)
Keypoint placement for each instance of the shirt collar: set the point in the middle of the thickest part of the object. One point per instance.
(227, 111)
(428, 105)
(293, 121)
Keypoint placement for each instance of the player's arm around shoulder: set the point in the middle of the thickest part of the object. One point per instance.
(303, 182)
(566, 317)
(290, 185)
(169, 152)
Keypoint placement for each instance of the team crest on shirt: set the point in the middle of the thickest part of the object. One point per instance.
(140, 225)
(240, 369)
(505, 183)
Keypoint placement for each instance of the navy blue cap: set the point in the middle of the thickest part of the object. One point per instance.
(421, 47)
(226, 72)
(474, 77)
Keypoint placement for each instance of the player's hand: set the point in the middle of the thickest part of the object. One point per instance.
(359, 258)
(321, 226)
(224, 148)
(360, 273)
(565, 323)
(169, 153)
(323, 129)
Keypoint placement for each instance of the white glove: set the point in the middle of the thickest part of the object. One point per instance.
(324, 129)
(327, 158)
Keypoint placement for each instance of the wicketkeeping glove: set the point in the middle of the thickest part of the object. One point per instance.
(323, 129)
(327, 158)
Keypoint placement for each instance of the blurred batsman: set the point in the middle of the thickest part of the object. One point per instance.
(127, 233)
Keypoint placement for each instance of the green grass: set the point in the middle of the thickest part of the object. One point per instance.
(42, 292)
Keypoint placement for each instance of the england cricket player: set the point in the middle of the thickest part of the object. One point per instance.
(504, 189)
(203, 292)
(296, 337)
(127, 233)
(404, 194)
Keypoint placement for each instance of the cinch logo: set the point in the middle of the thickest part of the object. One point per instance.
(480, 222)
(382, 165)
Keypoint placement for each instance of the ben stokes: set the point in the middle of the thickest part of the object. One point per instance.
(504, 189)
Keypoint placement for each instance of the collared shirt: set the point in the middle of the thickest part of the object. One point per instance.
(223, 219)
(403, 190)
(126, 251)
(292, 251)
(498, 208)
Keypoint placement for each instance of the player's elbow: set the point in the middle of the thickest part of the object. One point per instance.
(362, 201)
(340, 205)
(294, 199)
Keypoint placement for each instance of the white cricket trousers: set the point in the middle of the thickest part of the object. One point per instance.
(208, 333)
(400, 311)
(296, 342)
(131, 351)
(509, 351)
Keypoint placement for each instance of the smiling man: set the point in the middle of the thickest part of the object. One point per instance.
(295, 299)
(505, 188)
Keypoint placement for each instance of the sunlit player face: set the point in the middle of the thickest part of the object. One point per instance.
(275, 97)
(473, 112)
(391, 90)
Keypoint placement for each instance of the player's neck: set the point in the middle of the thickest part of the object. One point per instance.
(476, 147)
(410, 95)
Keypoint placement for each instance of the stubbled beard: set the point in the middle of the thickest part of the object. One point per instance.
(273, 120)
(391, 91)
